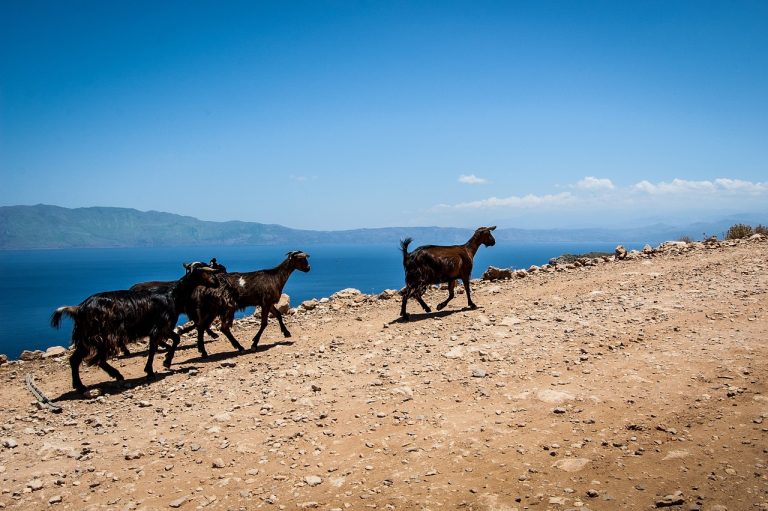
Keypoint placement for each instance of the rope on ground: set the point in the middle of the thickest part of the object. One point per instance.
(44, 401)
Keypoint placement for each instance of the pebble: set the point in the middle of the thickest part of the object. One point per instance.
(218, 463)
(178, 502)
(56, 499)
(10, 443)
(313, 480)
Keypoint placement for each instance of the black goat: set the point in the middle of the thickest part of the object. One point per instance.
(435, 264)
(219, 268)
(257, 288)
(105, 321)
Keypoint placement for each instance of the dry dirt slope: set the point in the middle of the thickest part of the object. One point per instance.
(610, 387)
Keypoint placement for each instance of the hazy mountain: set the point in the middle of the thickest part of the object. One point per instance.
(43, 226)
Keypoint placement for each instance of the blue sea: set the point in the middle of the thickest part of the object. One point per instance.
(35, 282)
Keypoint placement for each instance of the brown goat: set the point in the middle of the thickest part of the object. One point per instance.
(435, 264)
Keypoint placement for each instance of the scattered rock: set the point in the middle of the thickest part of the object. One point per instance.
(313, 480)
(493, 273)
(571, 464)
(676, 499)
(620, 252)
(178, 502)
(28, 356)
(54, 351)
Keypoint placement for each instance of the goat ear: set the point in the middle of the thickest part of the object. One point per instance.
(186, 265)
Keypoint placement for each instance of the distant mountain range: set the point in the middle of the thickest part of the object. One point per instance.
(45, 227)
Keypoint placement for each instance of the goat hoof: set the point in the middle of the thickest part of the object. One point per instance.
(203, 354)
(239, 348)
(473, 306)
(213, 335)
(286, 334)
(440, 307)
(254, 345)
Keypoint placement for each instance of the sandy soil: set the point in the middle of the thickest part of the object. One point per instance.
(627, 385)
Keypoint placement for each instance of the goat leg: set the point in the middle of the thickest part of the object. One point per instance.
(114, 373)
(171, 351)
(451, 285)
(124, 349)
(226, 324)
(200, 343)
(423, 303)
(471, 304)
(148, 369)
(406, 294)
(264, 318)
(279, 317)
(74, 361)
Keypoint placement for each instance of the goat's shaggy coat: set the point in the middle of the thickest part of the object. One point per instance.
(106, 321)
(435, 264)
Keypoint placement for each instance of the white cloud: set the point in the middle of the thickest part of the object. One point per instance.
(472, 180)
(594, 183)
(527, 201)
(683, 186)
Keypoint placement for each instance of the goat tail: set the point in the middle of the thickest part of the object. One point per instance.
(404, 247)
(69, 310)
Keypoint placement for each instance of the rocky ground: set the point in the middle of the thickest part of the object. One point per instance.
(633, 384)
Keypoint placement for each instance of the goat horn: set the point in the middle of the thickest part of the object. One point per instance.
(492, 228)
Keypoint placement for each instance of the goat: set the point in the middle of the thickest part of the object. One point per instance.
(435, 264)
(105, 321)
(219, 268)
(257, 288)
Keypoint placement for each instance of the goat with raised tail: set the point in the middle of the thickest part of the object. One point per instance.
(435, 264)
(260, 288)
(106, 321)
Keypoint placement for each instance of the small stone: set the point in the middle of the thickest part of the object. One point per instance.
(56, 499)
(313, 480)
(178, 502)
(479, 373)
(10, 443)
(592, 493)
(35, 485)
(144, 404)
(218, 463)
(559, 410)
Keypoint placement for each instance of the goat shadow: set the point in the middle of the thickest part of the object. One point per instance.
(113, 387)
(224, 355)
(430, 315)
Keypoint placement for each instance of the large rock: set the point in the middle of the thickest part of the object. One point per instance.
(54, 351)
(309, 304)
(3, 359)
(284, 304)
(349, 292)
(493, 273)
(388, 293)
(30, 355)
(621, 252)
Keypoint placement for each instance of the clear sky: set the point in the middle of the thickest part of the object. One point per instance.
(332, 115)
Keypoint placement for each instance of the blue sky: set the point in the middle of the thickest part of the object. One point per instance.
(332, 115)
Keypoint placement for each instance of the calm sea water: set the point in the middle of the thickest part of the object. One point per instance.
(35, 282)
